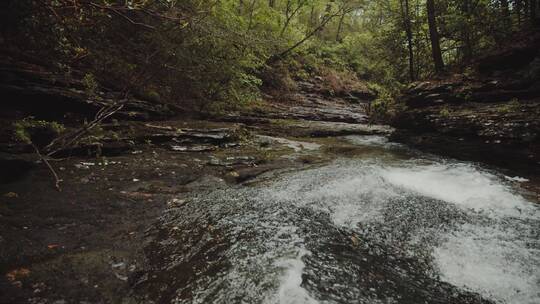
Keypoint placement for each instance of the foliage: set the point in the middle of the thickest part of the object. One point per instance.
(510, 107)
(444, 112)
(90, 84)
(386, 105)
(28, 130)
(209, 55)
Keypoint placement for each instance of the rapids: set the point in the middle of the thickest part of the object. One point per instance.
(391, 225)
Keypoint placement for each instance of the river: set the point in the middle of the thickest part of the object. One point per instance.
(389, 225)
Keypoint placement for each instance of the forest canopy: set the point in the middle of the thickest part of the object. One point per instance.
(203, 54)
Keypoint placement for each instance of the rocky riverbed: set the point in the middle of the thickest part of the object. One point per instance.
(87, 242)
(92, 242)
(263, 214)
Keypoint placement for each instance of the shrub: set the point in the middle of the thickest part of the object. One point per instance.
(38, 132)
(512, 106)
(445, 112)
(90, 85)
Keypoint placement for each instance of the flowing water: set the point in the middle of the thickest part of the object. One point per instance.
(387, 226)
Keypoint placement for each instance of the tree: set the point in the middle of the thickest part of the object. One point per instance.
(347, 7)
(329, 15)
(406, 16)
(434, 37)
(531, 11)
(291, 11)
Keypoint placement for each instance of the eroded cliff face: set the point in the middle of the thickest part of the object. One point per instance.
(490, 115)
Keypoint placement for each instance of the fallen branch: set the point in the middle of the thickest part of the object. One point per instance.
(68, 140)
(117, 12)
(57, 179)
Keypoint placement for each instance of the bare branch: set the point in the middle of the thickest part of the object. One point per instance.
(57, 179)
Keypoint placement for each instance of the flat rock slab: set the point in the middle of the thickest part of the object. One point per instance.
(297, 146)
(306, 128)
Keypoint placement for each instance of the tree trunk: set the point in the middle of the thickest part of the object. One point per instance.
(466, 40)
(290, 14)
(434, 37)
(408, 31)
(518, 10)
(251, 12)
(340, 26)
(329, 16)
(504, 7)
(505, 10)
(533, 8)
(240, 6)
(526, 10)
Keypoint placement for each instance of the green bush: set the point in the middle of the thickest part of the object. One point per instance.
(512, 106)
(90, 85)
(386, 106)
(30, 130)
(445, 112)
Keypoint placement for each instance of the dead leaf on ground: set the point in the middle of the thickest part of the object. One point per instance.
(137, 195)
(11, 195)
(17, 274)
(355, 241)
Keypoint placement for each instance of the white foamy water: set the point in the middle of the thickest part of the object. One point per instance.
(494, 262)
(496, 255)
(290, 289)
(468, 226)
(461, 184)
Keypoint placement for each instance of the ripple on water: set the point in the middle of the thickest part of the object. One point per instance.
(426, 222)
(499, 263)
(495, 252)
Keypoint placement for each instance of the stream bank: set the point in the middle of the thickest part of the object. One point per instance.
(90, 242)
(490, 114)
(170, 209)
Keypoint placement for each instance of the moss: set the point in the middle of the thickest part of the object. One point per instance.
(258, 106)
(512, 106)
(153, 95)
(27, 128)
(90, 84)
(445, 112)
(284, 122)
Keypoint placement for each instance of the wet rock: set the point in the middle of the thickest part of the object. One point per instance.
(188, 139)
(32, 89)
(206, 182)
(175, 202)
(14, 169)
(105, 147)
(311, 103)
(232, 161)
(297, 146)
(306, 128)
(503, 134)
(484, 116)
(194, 148)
